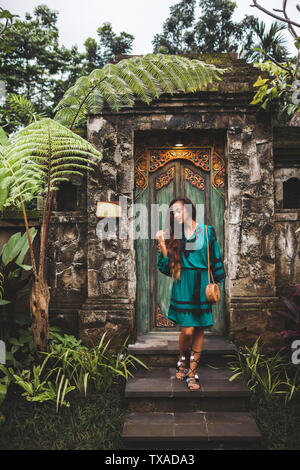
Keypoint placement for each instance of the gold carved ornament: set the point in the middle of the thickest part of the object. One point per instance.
(218, 173)
(195, 179)
(164, 179)
(150, 160)
(161, 321)
(199, 157)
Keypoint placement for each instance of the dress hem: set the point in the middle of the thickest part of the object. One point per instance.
(186, 326)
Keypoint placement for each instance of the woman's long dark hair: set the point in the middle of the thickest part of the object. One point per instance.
(174, 245)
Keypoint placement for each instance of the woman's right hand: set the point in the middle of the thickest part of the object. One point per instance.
(160, 236)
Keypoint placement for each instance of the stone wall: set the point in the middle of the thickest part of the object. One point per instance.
(67, 268)
(287, 209)
(109, 305)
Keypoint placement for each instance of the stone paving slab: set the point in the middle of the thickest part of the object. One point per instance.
(163, 343)
(190, 426)
(161, 382)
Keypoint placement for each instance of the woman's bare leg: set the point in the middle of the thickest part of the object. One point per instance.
(185, 338)
(196, 349)
(198, 339)
(185, 342)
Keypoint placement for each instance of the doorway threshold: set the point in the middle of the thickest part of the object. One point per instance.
(167, 341)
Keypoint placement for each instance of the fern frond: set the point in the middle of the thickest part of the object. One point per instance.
(30, 165)
(137, 78)
(24, 108)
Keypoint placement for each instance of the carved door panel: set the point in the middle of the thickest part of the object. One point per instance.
(165, 174)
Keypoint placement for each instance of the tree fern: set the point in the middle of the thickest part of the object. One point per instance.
(41, 154)
(140, 78)
(38, 157)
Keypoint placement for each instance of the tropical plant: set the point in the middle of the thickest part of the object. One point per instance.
(20, 351)
(278, 87)
(284, 86)
(12, 254)
(140, 78)
(37, 385)
(67, 366)
(19, 112)
(96, 367)
(4, 382)
(270, 375)
(59, 341)
(2, 301)
(268, 42)
(37, 158)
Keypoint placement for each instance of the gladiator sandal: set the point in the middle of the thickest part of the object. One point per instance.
(181, 369)
(192, 380)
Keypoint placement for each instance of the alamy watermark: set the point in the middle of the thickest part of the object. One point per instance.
(295, 346)
(2, 92)
(141, 221)
(296, 92)
(2, 352)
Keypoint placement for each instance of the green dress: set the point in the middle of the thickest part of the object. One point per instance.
(188, 304)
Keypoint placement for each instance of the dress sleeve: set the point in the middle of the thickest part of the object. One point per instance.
(216, 260)
(163, 264)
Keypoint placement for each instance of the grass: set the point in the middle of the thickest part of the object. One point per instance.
(91, 423)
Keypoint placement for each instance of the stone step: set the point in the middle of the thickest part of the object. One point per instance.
(157, 389)
(191, 430)
(164, 414)
(161, 349)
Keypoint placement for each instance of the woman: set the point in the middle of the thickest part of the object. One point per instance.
(188, 267)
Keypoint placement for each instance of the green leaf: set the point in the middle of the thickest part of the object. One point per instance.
(260, 81)
(4, 140)
(297, 44)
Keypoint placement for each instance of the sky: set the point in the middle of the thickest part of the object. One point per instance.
(79, 19)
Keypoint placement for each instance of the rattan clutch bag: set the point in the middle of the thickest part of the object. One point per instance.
(212, 289)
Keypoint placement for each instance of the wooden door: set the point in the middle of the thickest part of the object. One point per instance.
(162, 174)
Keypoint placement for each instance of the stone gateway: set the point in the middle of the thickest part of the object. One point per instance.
(223, 153)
